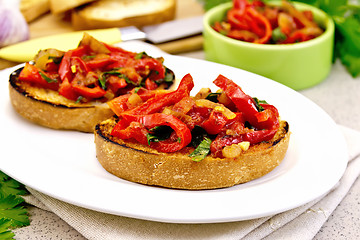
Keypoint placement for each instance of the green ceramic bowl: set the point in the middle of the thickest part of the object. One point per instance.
(298, 65)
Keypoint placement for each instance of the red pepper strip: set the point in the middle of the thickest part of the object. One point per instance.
(89, 93)
(243, 102)
(153, 120)
(297, 14)
(237, 19)
(133, 130)
(240, 4)
(152, 64)
(119, 105)
(115, 83)
(214, 124)
(120, 51)
(65, 65)
(99, 63)
(269, 118)
(31, 74)
(67, 91)
(158, 102)
(150, 84)
(265, 22)
(243, 35)
(253, 137)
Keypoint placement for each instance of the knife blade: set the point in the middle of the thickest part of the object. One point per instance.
(159, 33)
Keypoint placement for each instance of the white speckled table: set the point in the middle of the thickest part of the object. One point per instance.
(338, 95)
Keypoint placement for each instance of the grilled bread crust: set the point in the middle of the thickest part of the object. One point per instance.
(47, 108)
(142, 164)
(114, 13)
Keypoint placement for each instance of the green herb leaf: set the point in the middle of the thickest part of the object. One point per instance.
(140, 55)
(56, 60)
(49, 80)
(5, 225)
(12, 208)
(88, 57)
(278, 35)
(10, 186)
(102, 81)
(79, 99)
(201, 151)
(257, 104)
(213, 97)
(159, 133)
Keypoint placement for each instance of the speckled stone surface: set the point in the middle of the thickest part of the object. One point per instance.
(45, 225)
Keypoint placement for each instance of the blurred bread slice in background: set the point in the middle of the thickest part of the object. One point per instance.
(120, 13)
(32, 9)
(62, 6)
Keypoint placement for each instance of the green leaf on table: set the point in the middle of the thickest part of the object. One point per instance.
(11, 208)
(13, 213)
(5, 233)
(10, 186)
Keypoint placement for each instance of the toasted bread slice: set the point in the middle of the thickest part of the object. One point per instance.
(115, 13)
(142, 164)
(58, 7)
(32, 9)
(47, 108)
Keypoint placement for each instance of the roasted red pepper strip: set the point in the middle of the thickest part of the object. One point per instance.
(119, 105)
(155, 104)
(150, 121)
(214, 124)
(259, 18)
(246, 104)
(253, 137)
(31, 74)
(65, 65)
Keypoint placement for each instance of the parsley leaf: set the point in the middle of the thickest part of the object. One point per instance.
(12, 208)
(49, 80)
(257, 104)
(159, 133)
(10, 186)
(201, 151)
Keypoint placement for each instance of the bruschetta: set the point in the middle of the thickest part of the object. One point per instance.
(207, 141)
(69, 90)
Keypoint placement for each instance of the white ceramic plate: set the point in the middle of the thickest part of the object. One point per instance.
(63, 164)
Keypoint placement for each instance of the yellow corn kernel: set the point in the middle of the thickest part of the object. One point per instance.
(244, 145)
(73, 68)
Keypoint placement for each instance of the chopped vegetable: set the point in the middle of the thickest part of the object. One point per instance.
(201, 151)
(95, 71)
(346, 15)
(257, 22)
(173, 121)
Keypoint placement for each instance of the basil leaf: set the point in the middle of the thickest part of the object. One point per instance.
(257, 104)
(140, 55)
(79, 99)
(102, 81)
(56, 60)
(201, 151)
(213, 97)
(49, 80)
(159, 133)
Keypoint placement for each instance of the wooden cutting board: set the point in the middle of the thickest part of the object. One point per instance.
(50, 24)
